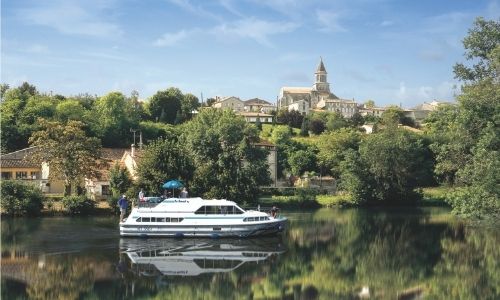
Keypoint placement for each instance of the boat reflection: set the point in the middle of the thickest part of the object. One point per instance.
(193, 257)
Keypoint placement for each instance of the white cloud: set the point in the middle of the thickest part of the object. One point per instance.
(196, 10)
(73, 17)
(258, 30)
(38, 49)
(171, 39)
(329, 21)
(401, 94)
(386, 23)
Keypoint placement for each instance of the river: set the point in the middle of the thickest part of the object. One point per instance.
(325, 254)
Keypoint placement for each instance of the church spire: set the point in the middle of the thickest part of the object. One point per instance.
(321, 66)
(321, 84)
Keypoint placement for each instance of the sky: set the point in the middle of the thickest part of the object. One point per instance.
(390, 51)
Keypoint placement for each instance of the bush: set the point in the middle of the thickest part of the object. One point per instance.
(303, 198)
(20, 199)
(334, 200)
(78, 205)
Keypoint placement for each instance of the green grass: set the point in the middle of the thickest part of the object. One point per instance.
(435, 196)
(334, 200)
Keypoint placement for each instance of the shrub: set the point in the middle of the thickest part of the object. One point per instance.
(20, 199)
(78, 205)
(303, 198)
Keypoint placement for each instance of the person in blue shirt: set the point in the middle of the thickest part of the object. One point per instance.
(123, 203)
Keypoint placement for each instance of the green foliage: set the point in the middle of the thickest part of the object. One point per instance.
(114, 117)
(78, 205)
(301, 161)
(19, 198)
(317, 126)
(334, 200)
(164, 105)
(303, 198)
(304, 128)
(291, 118)
(480, 45)
(227, 162)
(119, 180)
(153, 130)
(332, 147)
(335, 121)
(72, 155)
(162, 160)
(466, 138)
(389, 167)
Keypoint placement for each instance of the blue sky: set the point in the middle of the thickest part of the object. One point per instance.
(393, 52)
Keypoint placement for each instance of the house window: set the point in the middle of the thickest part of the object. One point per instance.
(6, 175)
(34, 175)
(105, 190)
(21, 175)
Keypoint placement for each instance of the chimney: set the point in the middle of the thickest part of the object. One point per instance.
(132, 151)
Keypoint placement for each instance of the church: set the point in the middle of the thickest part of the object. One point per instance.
(317, 97)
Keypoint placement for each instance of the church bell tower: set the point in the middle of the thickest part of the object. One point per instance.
(321, 85)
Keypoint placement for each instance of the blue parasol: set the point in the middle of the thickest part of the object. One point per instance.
(172, 184)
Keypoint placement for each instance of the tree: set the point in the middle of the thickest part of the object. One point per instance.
(210, 102)
(317, 126)
(369, 103)
(291, 118)
(391, 165)
(69, 153)
(119, 180)
(3, 89)
(336, 121)
(473, 133)
(301, 161)
(304, 128)
(162, 160)
(356, 120)
(166, 103)
(70, 109)
(113, 119)
(332, 148)
(481, 45)
(228, 163)
(189, 103)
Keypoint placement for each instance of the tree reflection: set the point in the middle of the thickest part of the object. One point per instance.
(470, 265)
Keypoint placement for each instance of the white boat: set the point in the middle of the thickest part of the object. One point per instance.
(194, 257)
(196, 217)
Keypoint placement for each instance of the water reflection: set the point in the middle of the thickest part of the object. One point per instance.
(328, 254)
(193, 257)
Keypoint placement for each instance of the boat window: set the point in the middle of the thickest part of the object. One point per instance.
(153, 219)
(200, 211)
(146, 220)
(138, 220)
(250, 219)
(264, 218)
(160, 219)
(237, 211)
(167, 219)
(212, 210)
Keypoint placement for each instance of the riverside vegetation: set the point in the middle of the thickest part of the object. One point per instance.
(214, 152)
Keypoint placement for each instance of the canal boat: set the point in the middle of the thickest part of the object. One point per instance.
(197, 217)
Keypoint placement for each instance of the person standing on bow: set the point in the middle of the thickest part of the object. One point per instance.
(123, 203)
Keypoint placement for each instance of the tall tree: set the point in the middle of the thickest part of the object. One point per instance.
(474, 132)
(69, 153)
(113, 119)
(228, 163)
(164, 105)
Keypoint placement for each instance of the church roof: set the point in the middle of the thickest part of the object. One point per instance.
(257, 101)
(321, 66)
(296, 90)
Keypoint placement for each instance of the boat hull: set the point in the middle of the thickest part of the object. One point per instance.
(272, 227)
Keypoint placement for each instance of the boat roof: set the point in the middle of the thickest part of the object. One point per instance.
(188, 204)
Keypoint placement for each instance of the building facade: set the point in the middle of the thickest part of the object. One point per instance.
(319, 96)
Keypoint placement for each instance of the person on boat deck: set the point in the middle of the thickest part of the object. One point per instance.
(122, 203)
(274, 211)
(141, 196)
(184, 193)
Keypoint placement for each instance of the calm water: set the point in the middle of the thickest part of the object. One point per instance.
(326, 254)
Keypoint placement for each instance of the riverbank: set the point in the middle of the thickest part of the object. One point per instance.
(431, 197)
